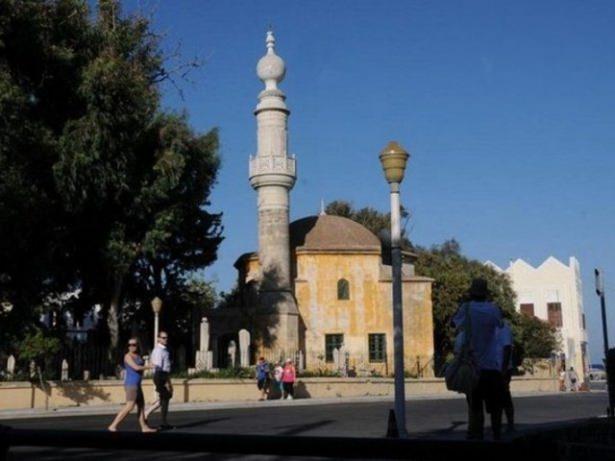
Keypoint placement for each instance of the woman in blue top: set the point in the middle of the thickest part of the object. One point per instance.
(134, 366)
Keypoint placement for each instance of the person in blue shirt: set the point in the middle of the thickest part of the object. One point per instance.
(262, 377)
(485, 319)
(133, 366)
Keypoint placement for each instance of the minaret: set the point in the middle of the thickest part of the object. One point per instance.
(272, 175)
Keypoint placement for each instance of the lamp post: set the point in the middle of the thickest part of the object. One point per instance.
(394, 158)
(605, 336)
(156, 307)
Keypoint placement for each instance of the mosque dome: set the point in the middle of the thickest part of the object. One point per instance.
(329, 232)
(271, 67)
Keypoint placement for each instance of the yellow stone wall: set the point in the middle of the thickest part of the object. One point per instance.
(367, 311)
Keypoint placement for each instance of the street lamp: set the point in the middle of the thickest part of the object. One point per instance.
(156, 307)
(394, 158)
(605, 335)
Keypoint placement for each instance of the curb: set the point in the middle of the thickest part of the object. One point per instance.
(243, 404)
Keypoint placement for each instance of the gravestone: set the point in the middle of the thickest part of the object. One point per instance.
(336, 358)
(232, 353)
(10, 365)
(202, 359)
(244, 348)
(64, 376)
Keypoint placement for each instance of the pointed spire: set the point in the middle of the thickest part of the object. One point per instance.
(322, 208)
(270, 41)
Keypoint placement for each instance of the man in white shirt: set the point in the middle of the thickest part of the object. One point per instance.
(505, 344)
(161, 360)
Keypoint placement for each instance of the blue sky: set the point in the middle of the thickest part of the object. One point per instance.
(506, 107)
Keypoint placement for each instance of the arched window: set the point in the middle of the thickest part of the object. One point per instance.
(343, 289)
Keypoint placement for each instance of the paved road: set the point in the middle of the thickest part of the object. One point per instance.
(425, 418)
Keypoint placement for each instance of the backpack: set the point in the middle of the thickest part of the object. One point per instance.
(462, 374)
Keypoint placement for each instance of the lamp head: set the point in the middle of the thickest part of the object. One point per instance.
(157, 305)
(394, 159)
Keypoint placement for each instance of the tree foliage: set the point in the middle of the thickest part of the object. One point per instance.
(453, 273)
(100, 189)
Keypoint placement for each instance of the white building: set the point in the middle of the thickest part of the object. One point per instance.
(553, 293)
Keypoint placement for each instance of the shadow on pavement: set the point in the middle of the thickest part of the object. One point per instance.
(202, 422)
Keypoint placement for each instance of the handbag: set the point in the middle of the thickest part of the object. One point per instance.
(462, 374)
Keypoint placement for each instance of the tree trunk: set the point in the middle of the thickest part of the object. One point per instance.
(113, 319)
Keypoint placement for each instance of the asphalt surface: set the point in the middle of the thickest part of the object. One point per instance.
(425, 419)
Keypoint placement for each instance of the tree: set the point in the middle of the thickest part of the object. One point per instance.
(100, 189)
(453, 273)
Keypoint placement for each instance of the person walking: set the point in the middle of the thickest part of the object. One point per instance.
(134, 366)
(289, 375)
(485, 318)
(505, 347)
(262, 378)
(161, 361)
(278, 371)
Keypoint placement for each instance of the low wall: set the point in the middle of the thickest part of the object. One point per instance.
(24, 395)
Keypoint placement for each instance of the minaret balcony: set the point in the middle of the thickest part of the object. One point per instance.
(272, 165)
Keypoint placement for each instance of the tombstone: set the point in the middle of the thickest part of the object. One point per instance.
(244, 348)
(204, 336)
(202, 361)
(232, 352)
(64, 376)
(336, 358)
(209, 362)
(86, 375)
(10, 365)
(301, 361)
(32, 369)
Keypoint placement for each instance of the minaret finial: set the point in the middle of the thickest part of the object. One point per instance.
(270, 41)
(322, 208)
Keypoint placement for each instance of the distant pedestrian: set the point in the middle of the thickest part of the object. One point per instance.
(134, 366)
(278, 371)
(485, 318)
(505, 346)
(573, 379)
(161, 360)
(289, 375)
(262, 377)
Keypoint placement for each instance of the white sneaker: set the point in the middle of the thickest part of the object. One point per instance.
(290, 397)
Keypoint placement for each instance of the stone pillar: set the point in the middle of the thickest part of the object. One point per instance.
(10, 366)
(244, 348)
(272, 175)
(202, 359)
(64, 376)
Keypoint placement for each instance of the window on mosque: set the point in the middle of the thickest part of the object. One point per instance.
(554, 312)
(377, 347)
(343, 289)
(527, 309)
(332, 342)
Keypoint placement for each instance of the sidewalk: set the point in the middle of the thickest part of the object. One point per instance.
(238, 404)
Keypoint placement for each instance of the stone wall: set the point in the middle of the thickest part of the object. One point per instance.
(24, 395)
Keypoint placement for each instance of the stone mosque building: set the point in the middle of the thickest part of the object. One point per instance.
(319, 288)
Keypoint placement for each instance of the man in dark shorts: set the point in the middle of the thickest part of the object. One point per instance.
(262, 377)
(161, 360)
